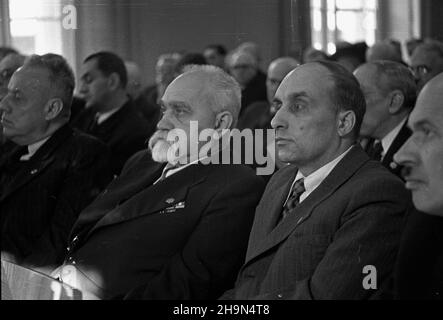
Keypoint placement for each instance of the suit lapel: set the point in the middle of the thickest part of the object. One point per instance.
(154, 199)
(338, 176)
(398, 142)
(41, 159)
(271, 207)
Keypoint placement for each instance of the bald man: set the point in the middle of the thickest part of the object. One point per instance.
(243, 66)
(259, 114)
(420, 262)
(383, 50)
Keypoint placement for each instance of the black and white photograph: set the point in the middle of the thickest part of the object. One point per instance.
(213, 157)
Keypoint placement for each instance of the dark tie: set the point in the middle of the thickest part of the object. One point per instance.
(375, 150)
(294, 198)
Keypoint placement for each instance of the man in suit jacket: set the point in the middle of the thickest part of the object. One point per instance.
(110, 114)
(420, 263)
(390, 92)
(331, 216)
(176, 228)
(53, 172)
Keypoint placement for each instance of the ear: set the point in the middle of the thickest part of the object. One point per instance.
(53, 108)
(114, 81)
(223, 120)
(346, 122)
(396, 101)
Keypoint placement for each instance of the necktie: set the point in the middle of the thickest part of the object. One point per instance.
(294, 198)
(375, 150)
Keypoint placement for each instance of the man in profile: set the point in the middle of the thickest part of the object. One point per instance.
(333, 214)
(110, 114)
(53, 173)
(420, 262)
(259, 114)
(390, 92)
(176, 228)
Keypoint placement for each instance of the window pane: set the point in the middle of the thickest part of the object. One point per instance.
(350, 4)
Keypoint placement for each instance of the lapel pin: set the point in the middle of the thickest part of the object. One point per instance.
(170, 200)
(34, 171)
(393, 165)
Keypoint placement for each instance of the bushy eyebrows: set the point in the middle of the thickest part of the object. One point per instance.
(175, 104)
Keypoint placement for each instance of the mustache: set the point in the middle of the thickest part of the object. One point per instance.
(157, 136)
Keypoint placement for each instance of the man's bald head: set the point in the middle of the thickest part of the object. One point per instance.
(422, 154)
(277, 71)
(383, 51)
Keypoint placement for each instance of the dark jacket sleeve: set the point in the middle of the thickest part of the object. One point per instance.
(86, 175)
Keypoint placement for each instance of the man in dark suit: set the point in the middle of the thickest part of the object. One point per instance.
(329, 225)
(419, 273)
(390, 92)
(53, 173)
(176, 228)
(244, 68)
(110, 114)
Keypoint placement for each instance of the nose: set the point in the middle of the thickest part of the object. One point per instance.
(279, 120)
(165, 121)
(407, 155)
(83, 88)
(3, 105)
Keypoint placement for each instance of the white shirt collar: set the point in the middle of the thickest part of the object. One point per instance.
(102, 117)
(312, 181)
(386, 142)
(33, 148)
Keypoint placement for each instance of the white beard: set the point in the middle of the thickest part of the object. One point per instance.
(162, 150)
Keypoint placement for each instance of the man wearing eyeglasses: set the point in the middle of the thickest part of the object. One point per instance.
(244, 68)
(427, 61)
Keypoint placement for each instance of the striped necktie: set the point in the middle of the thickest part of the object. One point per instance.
(294, 198)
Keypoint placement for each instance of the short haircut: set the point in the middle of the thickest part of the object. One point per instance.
(108, 63)
(221, 50)
(224, 93)
(60, 74)
(396, 77)
(346, 92)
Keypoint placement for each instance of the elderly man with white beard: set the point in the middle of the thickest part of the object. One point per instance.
(175, 228)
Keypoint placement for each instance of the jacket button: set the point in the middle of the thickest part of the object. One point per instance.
(280, 296)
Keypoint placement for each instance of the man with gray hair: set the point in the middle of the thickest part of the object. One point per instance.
(244, 67)
(168, 229)
(54, 171)
(427, 61)
(390, 93)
